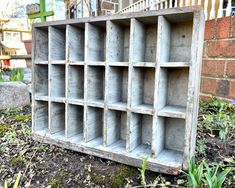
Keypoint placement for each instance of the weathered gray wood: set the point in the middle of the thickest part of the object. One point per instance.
(143, 86)
(56, 43)
(95, 83)
(118, 84)
(120, 87)
(57, 117)
(57, 78)
(94, 123)
(74, 124)
(75, 42)
(41, 117)
(145, 41)
(119, 37)
(41, 44)
(116, 127)
(41, 80)
(96, 50)
(75, 87)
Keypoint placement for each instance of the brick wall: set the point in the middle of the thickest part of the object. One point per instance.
(218, 66)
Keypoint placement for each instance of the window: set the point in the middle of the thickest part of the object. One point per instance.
(12, 36)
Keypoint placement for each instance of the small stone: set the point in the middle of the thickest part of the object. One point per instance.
(180, 181)
(167, 183)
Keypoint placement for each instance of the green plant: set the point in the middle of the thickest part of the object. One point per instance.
(17, 182)
(201, 146)
(201, 174)
(219, 117)
(17, 74)
(195, 173)
(142, 171)
(1, 77)
(212, 178)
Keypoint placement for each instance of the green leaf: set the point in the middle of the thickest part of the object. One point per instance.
(17, 182)
(193, 181)
(5, 184)
(222, 176)
(199, 173)
(209, 180)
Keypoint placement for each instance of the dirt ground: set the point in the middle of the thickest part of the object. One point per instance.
(45, 165)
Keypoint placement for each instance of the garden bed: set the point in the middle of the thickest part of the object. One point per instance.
(43, 165)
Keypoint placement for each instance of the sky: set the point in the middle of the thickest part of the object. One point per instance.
(7, 6)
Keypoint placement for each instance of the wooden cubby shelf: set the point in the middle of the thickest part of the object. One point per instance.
(121, 87)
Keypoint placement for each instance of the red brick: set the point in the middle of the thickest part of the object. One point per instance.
(210, 29)
(225, 48)
(214, 68)
(232, 89)
(222, 88)
(205, 98)
(208, 85)
(223, 26)
(230, 72)
(233, 26)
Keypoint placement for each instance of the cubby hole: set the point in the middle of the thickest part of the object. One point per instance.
(119, 40)
(143, 87)
(140, 131)
(170, 139)
(40, 115)
(75, 121)
(57, 80)
(57, 42)
(41, 80)
(96, 41)
(95, 83)
(76, 82)
(116, 128)
(94, 129)
(57, 118)
(41, 44)
(118, 86)
(76, 42)
(144, 39)
(176, 39)
(173, 87)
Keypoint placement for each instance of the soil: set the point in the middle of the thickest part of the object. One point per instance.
(44, 165)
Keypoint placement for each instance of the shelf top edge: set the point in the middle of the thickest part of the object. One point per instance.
(162, 12)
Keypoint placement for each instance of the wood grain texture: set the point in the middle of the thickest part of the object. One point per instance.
(121, 87)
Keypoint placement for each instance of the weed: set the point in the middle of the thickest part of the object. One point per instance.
(212, 178)
(17, 182)
(142, 171)
(3, 129)
(17, 74)
(124, 171)
(43, 148)
(201, 146)
(16, 161)
(195, 173)
(58, 183)
(219, 117)
(198, 178)
(23, 118)
(11, 111)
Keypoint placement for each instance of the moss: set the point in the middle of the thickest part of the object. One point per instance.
(3, 129)
(23, 118)
(54, 183)
(58, 183)
(97, 179)
(123, 172)
(17, 161)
